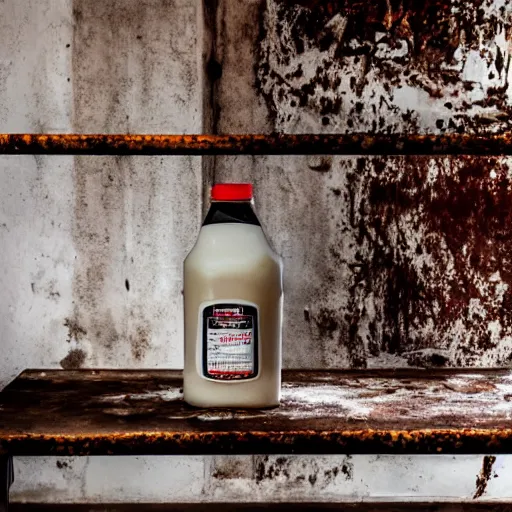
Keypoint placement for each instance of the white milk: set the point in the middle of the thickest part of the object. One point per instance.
(233, 311)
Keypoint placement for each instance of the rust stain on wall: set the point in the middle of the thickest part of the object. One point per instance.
(421, 251)
(437, 247)
(485, 475)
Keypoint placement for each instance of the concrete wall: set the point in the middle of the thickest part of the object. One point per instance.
(93, 247)
(389, 262)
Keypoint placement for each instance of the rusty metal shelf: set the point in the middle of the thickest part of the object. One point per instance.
(117, 412)
(283, 144)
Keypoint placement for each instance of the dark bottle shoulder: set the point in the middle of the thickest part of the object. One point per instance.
(231, 212)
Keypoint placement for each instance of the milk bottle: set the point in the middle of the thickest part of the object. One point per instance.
(233, 308)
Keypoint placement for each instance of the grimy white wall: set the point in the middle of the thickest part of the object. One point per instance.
(91, 248)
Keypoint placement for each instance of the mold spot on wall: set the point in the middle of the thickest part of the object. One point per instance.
(326, 321)
(140, 342)
(301, 470)
(75, 331)
(74, 360)
(230, 468)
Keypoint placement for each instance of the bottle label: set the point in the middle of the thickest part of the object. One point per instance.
(230, 341)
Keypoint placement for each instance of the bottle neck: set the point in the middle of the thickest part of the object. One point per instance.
(229, 212)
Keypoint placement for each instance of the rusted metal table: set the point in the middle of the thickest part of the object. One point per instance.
(117, 412)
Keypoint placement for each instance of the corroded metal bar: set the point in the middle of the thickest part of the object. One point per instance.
(276, 144)
(310, 442)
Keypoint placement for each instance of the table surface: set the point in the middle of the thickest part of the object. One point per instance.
(132, 412)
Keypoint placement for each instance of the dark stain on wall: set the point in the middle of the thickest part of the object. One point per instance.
(417, 265)
(75, 359)
(297, 470)
(429, 271)
(230, 468)
(126, 64)
(484, 476)
(140, 342)
(269, 471)
(100, 183)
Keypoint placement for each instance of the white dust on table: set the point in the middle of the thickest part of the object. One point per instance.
(308, 401)
(466, 396)
(472, 396)
(167, 395)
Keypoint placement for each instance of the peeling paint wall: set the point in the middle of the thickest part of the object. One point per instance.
(388, 262)
(396, 66)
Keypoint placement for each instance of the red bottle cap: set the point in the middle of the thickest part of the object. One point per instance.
(232, 192)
